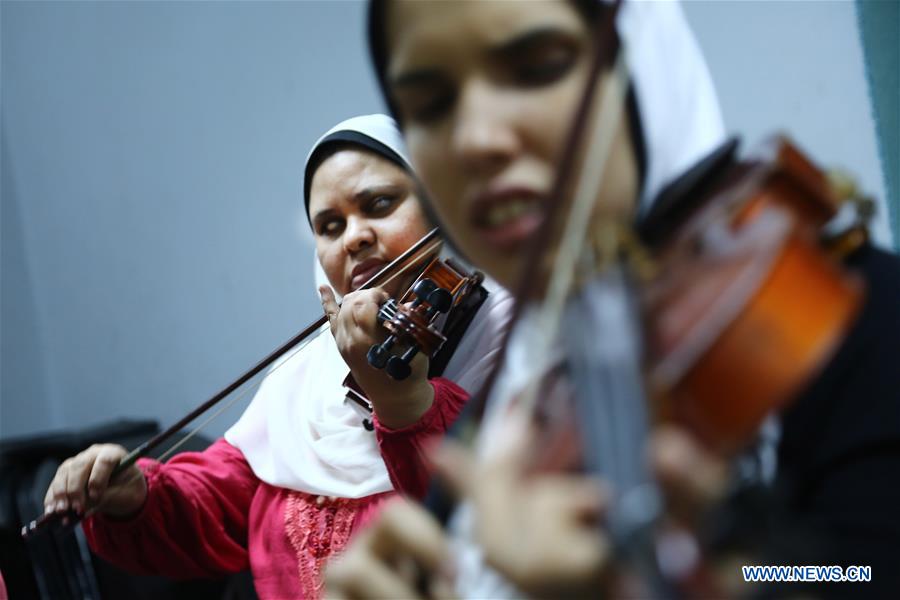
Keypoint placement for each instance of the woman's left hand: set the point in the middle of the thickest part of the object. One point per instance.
(541, 530)
(355, 329)
(403, 553)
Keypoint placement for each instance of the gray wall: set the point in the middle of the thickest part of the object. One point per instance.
(151, 157)
(796, 67)
(151, 163)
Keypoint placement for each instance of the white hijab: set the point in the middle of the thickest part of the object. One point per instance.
(677, 103)
(298, 432)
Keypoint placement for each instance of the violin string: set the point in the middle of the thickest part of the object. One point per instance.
(575, 229)
(225, 406)
(255, 385)
(433, 246)
(573, 239)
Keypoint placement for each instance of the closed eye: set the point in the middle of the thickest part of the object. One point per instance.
(543, 67)
(422, 96)
(429, 106)
(538, 57)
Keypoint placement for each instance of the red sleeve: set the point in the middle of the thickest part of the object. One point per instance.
(194, 522)
(403, 449)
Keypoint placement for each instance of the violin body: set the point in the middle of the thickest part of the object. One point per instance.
(749, 303)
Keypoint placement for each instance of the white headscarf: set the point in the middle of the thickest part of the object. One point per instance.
(677, 103)
(376, 132)
(298, 432)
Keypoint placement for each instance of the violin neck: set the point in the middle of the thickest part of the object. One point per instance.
(611, 406)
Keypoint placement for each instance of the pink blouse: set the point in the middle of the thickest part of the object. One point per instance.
(207, 515)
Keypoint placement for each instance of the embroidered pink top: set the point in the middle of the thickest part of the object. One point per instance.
(207, 514)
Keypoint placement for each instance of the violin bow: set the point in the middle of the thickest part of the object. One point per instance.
(427, 245)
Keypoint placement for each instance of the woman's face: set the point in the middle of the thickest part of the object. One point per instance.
(486, 92)
(364, 213)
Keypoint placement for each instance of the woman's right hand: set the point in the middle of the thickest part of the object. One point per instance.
(83, 482)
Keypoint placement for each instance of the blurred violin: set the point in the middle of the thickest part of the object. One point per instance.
(750, 297)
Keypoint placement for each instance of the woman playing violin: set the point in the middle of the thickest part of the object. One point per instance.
(299, 473)
(485, 93)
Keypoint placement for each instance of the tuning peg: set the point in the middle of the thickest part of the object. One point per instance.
(398, 366)
(440, 299)
(398, 369)
(378, 354)
(423, 288)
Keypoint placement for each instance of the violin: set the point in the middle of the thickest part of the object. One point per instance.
(751, 298)
(730, 319)
(441, 284)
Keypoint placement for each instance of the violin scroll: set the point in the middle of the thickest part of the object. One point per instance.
(410, 320)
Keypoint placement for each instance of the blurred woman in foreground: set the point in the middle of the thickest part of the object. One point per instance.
(485, 93)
